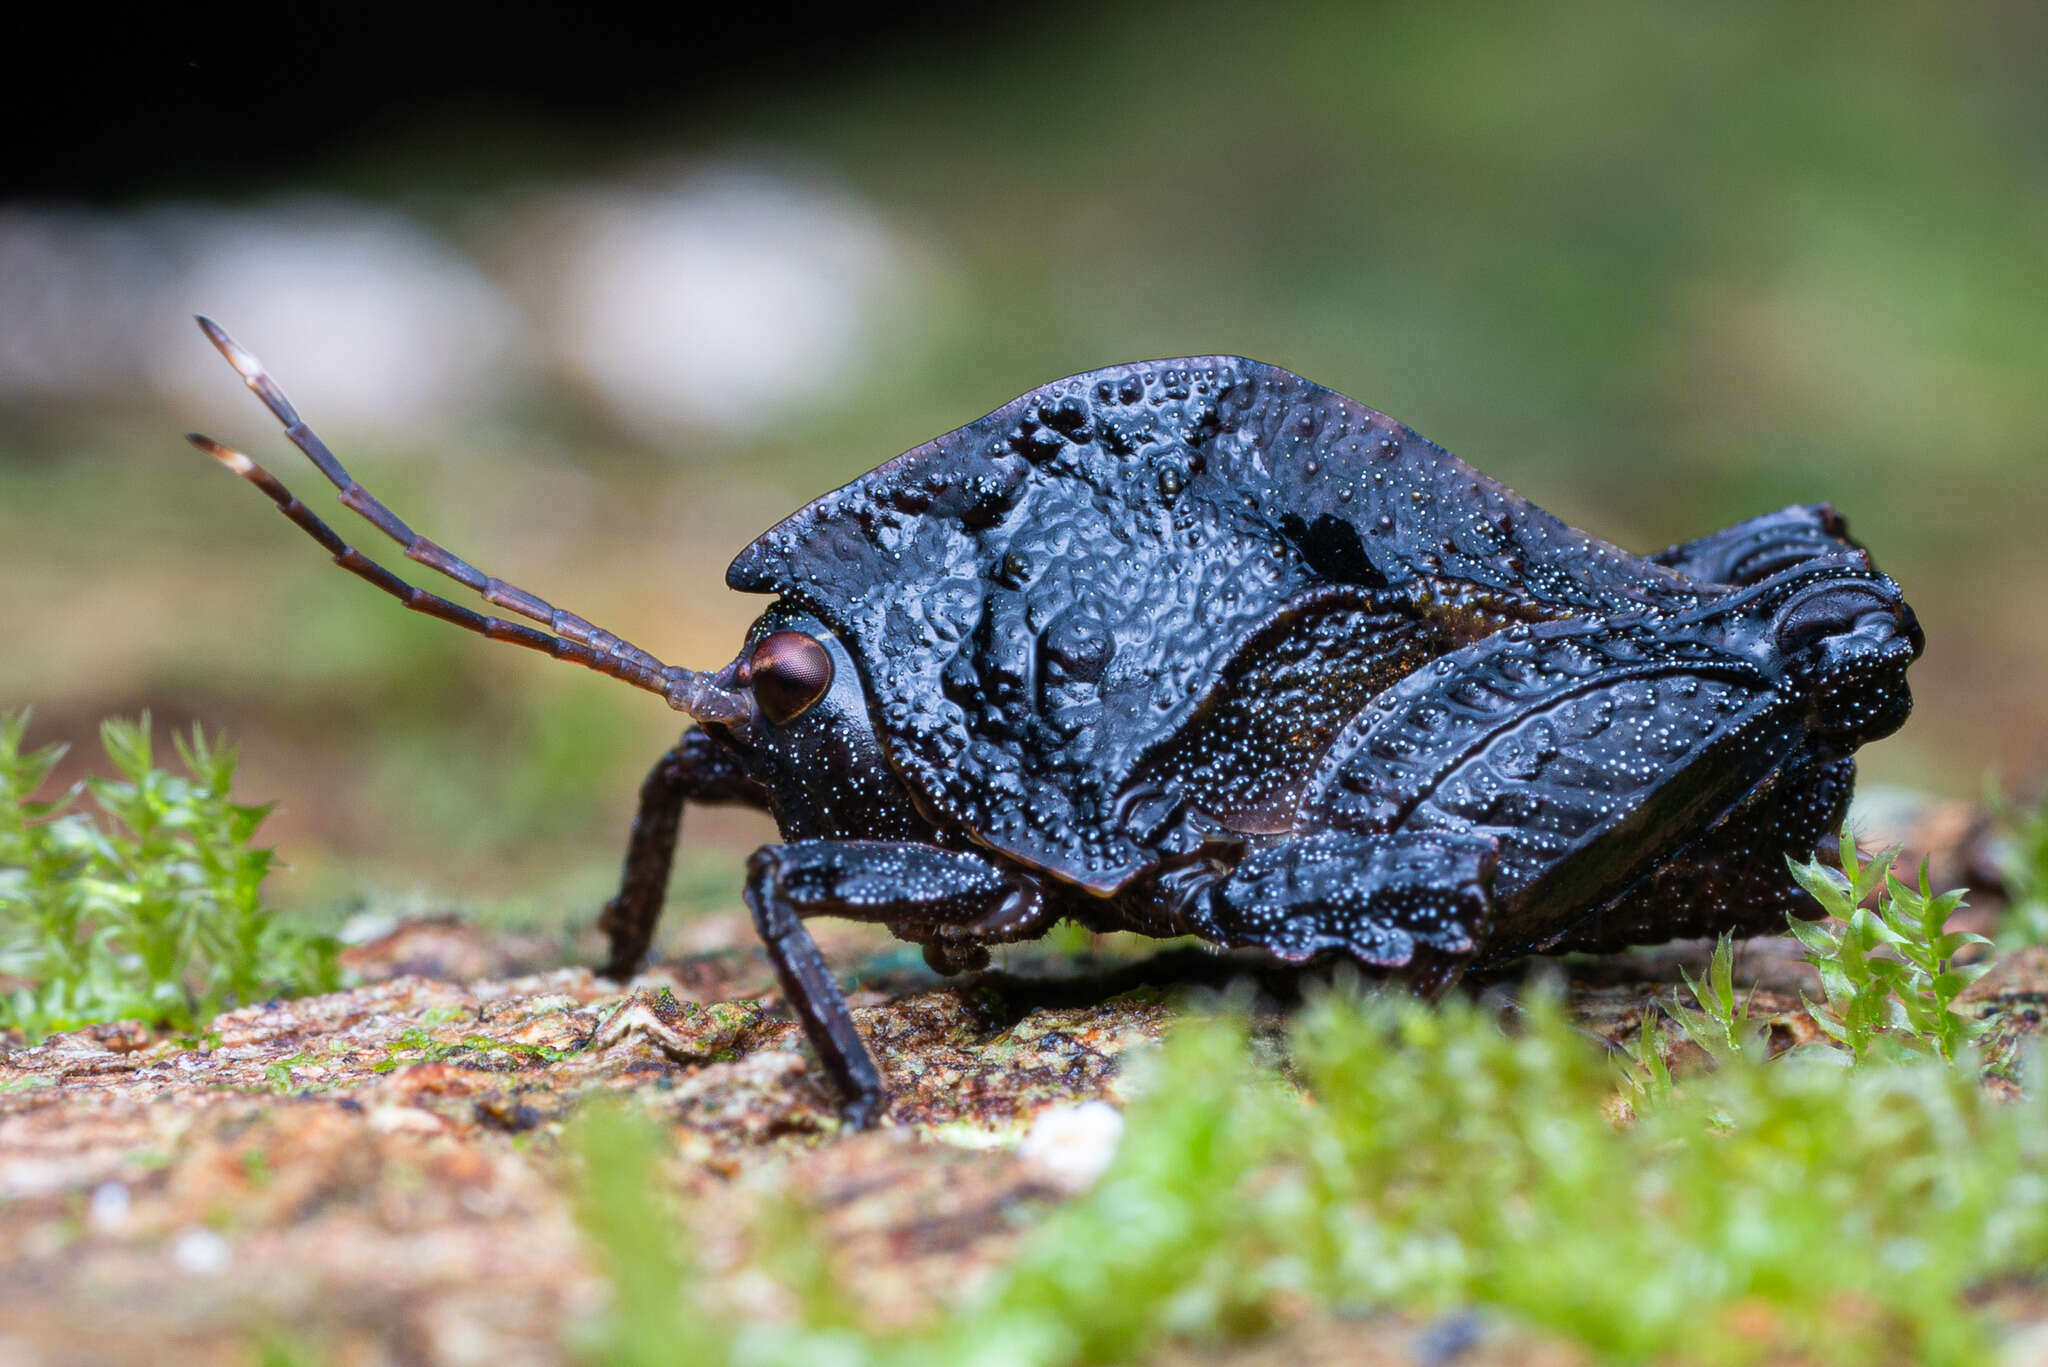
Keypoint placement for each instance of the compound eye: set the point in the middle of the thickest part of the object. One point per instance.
(790, 671)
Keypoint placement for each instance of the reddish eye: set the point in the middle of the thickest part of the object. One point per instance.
(790, 672)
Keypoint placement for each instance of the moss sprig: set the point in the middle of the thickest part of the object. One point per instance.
(1886, 958)
(138, 896)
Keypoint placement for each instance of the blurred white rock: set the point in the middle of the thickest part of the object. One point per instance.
(366, 319)
(76, 289)
(730, 297)
(107, 1210)
(1068, 1148)
(201, 1252)
(726, 298)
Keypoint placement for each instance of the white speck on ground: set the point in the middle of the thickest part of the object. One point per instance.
(202, 1253)
(1068, 1148)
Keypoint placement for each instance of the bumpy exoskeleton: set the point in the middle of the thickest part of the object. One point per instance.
(1197, 647)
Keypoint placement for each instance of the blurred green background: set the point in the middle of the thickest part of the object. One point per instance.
(1656, 267)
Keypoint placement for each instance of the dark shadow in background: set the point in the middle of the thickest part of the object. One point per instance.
(110, 106)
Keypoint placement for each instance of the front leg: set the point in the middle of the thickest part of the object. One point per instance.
(698, 769)
(908, 887)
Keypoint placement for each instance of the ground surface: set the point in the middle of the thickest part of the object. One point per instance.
(375, 1175)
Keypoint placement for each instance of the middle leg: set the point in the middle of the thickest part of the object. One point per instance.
(920, 892)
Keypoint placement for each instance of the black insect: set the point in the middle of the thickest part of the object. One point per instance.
(1197, 647)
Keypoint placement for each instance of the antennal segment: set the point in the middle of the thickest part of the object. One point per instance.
(417, 548)
(686, 690)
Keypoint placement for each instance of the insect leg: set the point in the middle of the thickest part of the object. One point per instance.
(698, 769)
(1752, 551)
(895, 883)
(1416, 901)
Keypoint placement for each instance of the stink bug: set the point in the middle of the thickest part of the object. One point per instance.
(1197, 647)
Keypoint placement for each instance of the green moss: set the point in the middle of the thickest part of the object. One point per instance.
(2024, 871)
(424, 1048)
(1886, 958)
(1839, 1203)
(279, 1073)
(1433, 1159)
(152, 912)
(652, 1320)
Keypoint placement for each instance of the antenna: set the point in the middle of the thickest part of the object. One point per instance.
(569, 637)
